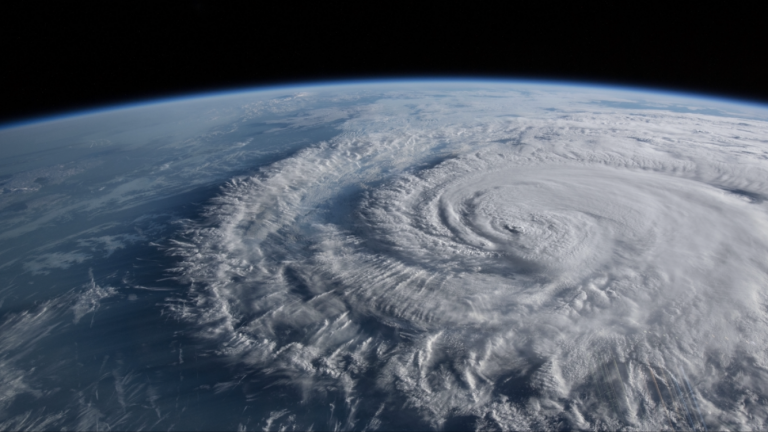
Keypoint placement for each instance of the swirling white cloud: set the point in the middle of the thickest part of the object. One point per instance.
(581, 270)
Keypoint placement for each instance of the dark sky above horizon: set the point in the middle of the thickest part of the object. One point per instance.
(61, 58)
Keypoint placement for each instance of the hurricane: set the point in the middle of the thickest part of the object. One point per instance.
(579, 273)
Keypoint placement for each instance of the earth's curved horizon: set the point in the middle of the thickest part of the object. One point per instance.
(388, 255)
(180, 97)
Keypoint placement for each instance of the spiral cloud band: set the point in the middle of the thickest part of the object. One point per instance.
(581, 270)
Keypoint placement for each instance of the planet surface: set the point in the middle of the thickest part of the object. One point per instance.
(400, 255)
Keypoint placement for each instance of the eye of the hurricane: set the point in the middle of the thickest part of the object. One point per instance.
(546, 220)
(513, 229)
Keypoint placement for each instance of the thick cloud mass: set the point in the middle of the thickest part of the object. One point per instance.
(581, 271)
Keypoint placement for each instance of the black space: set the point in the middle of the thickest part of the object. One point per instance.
(59, 57)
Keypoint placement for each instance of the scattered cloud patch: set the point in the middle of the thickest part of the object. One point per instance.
(109, 244)
(42, 264)
(90, 299)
